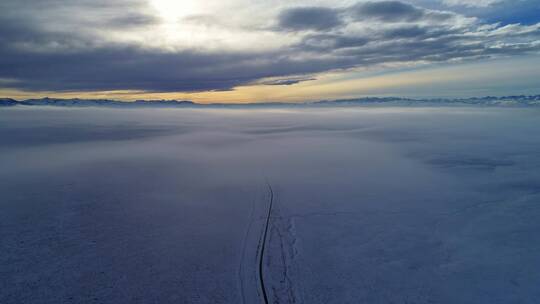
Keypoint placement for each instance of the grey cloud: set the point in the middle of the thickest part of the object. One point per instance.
(76, 14)
(287, 81)
(395, 11)
(406, 32)
(332, 41)
(309, 18)
(390, 11)
(129, 67)
(116, 68)
(41, 59)
(131, 20)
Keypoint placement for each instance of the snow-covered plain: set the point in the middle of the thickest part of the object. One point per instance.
(371, 205)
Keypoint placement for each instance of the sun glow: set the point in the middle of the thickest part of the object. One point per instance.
(174, 10)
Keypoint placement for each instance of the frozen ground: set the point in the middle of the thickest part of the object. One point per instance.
(388, 205)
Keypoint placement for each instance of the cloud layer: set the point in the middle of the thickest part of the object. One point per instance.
(60, 45)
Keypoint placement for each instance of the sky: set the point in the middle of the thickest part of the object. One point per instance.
(268, 50)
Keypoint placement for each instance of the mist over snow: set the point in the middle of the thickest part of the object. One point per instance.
(370, 205)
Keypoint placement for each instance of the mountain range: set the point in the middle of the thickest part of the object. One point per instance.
(518, 100)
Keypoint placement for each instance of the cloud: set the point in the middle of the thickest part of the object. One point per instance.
(406, 32)
(471, 3)
(309, 18)
(286, 81)
(324, 42)
(389, 11)
(130, 67)
(130, 20)
(44, 49)
(396, 11)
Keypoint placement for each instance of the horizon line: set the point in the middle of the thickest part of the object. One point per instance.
(360, 98)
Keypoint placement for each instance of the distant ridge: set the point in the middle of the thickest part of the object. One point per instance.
(517, 100)
(76, 102)
(8, 102)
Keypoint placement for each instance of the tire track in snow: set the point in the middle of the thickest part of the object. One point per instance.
(263, 246)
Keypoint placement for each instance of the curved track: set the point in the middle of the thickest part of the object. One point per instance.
(263, 246)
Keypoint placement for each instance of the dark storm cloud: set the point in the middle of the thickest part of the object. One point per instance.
(121, 67)
(309, 18)
(41, 59)
(126, 67)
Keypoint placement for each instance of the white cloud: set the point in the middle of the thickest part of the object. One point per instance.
(220, 45)
(471, 3)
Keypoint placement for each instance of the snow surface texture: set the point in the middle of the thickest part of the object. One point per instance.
(389, 205)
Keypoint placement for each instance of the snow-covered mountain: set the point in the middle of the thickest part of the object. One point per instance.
(76, 102)
(521, 100)
(7, 102)
(518, 100)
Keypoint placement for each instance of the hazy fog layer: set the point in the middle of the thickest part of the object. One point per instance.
(393, 205)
